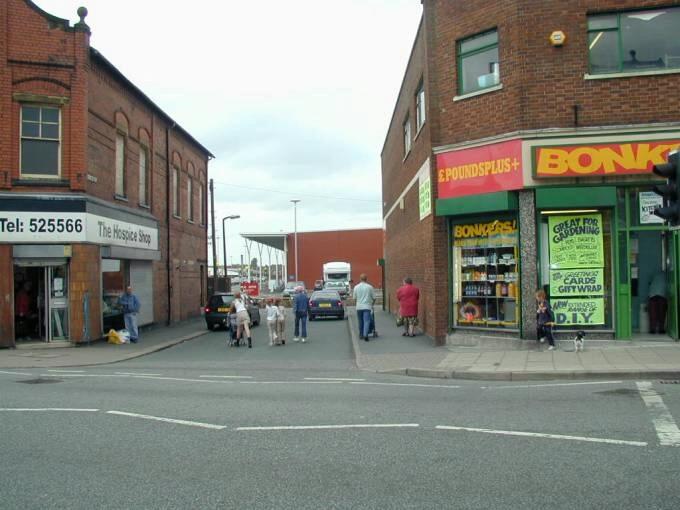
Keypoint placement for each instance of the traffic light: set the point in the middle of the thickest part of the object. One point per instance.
(670, 212)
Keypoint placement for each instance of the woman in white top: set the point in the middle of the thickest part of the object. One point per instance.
(272, 316)
(242, 319)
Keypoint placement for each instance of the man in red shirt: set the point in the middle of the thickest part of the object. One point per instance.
(408, 296)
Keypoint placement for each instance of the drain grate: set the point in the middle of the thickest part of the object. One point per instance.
(672, 381)
(41, 381)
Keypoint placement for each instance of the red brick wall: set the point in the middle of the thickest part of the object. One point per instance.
(6, 296)
(361, 248)
(85, 277)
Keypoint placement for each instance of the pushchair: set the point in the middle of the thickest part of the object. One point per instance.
(371, 325)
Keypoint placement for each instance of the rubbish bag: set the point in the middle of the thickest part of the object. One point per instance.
(124, 335)
(114, 337)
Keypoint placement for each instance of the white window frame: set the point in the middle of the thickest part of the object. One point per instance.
(175, 192)
(190, 199)
(420, 107)
(406, 127)
(21, 137)
(144, 175)
(120, 181)
(201, 191)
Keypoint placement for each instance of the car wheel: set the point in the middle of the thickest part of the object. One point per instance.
(210, 326)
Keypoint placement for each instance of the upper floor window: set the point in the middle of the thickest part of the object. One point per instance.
(175, 191)
(201, 212)
(120, 164)
(420, 106)
(478, 66)
(143, 175)
(190, 198)
(629, 42)
(40, 141)
(407, 135)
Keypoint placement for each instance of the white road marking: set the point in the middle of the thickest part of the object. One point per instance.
(66, 371)
(666, 428)
(331, 427)
(331, 379)
(133, 373)
(181, 379)
(547, 385)
(227, 376)
(51, 409)
(290, 382)
(169, 420)
(408, 384)
(83, 375)
(547, 436)
(14, 373)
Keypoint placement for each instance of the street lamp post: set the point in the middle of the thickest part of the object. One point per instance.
(295, 203)
(224, 241)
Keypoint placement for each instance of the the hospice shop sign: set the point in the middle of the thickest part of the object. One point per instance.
(74, 227)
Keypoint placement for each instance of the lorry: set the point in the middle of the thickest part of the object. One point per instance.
(337, 272)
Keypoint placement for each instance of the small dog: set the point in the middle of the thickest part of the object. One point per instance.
(579, 340)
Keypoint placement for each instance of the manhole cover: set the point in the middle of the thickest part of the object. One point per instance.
(676, 381)
(41, 381)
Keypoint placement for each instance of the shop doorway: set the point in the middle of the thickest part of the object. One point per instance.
(652, 276)
(40, 302)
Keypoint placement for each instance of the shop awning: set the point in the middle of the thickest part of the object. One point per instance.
(276, 241)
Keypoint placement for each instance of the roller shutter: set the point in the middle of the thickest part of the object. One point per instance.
(141, 279)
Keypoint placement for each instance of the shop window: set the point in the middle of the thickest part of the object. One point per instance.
(143, 175)
(576, 267)
(407, 135)
(486, 279)
(190, 199)
(420, 106)
(175, 191)
(120, 164)
(634, 41)
(40, 141)
(478, 64)
(115, 278)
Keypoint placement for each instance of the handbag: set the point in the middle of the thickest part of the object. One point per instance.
(400, 320)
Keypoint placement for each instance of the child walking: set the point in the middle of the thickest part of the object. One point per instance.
(272, 316)
(545, 319)
(281, 322)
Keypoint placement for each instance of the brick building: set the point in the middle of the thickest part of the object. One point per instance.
(99, 188)
(520, 159)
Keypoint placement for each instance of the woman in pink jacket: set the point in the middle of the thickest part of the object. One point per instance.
(408, 295)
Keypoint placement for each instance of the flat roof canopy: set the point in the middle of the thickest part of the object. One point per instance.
(276, 241)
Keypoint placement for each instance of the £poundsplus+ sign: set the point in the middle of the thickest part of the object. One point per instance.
(74, 227)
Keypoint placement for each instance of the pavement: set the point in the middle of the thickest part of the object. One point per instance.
(509, 359)
(392, 353)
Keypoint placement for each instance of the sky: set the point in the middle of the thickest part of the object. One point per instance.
(293, 98)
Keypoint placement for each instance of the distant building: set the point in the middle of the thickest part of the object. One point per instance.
(99, 189)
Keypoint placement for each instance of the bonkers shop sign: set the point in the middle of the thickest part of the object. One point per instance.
(601, 159)
(496, 167)
(576, 241)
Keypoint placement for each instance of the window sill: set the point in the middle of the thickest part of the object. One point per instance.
(420, 130)
(145, 206)
(629, 74)
(191, 221)
(41, 181)
(122, 198)
(406, 155)
(176, 217)
(478, 92)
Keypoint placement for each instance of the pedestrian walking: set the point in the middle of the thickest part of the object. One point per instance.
(130, 305)
(408, 296)
(281, 322)
(364, 297)
(242, 319)
(272, 316)
(545, 319)
(300, 308)
(657, 303)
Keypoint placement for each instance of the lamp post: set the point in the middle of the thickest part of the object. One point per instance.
(224, 240)
(295, 203)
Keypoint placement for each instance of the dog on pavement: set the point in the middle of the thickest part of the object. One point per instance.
(579, 340)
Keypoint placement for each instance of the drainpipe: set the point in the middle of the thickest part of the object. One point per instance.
(168, 200)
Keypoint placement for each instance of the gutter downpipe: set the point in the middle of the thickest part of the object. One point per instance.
(167, 218)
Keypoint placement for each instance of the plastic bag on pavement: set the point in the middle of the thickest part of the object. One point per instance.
(113, 337)
(124, 335)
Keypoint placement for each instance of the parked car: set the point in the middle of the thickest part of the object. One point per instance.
(289, 290)
(325, 303)
(318, 285)
(341, 288)
(217, 309)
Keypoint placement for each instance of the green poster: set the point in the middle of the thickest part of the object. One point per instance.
(577, 282)
(424, 198)
(576, 241)
(578, 312)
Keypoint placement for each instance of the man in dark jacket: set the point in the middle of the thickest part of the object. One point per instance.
(300, 307)
(130, 305)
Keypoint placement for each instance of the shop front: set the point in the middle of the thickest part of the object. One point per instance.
(70, 258)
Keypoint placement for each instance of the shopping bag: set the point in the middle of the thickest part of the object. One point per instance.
(124, 336)
(113, 337)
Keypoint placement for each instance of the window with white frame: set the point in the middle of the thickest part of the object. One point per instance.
(420, 106)
(40, 141)
(201, 212)
(120, 164)
(478, 65)
(143, 175)
(407, 135)
(634, 41)
(175, 191)
(190, 198)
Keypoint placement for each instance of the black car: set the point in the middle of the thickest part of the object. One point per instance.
(217, 309)
(325, 303)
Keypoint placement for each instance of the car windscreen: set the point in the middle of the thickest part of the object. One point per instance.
(217, 301)
(325, 295)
